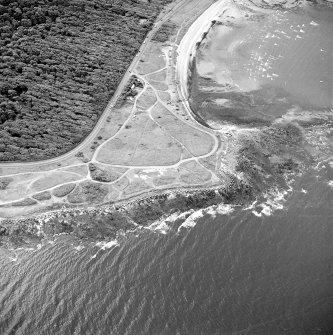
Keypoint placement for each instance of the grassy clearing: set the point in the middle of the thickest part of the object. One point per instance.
(46, 195)
(193, 173)
(197, 142)
(143, 143)
(63, 190)
(147, 99)
(88, 193)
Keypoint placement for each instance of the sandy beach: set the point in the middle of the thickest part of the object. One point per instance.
(188, 45)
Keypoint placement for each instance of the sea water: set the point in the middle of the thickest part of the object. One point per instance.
(265, 269)
(264, 66)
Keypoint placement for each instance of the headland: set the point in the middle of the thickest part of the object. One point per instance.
(150, 158)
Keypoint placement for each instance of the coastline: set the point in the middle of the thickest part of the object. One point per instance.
(176, 222)
(107, 221)
(187, 47)
(212, 167)
(128, 215)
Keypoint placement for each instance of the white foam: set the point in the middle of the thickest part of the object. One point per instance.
(313, 23)
(252, 206)
(257, 214)
(94, 256)
(184, 215)
(224, 209)
(266, 210)
(107, 245)
(213, 211)
(330, 183)
(274, 201)
(160, 227)
(163, 228)
(191, 221)
(189, 218)
(79, 247)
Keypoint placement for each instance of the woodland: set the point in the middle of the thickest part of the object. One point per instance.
(60, 63)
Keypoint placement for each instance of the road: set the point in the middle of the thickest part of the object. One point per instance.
(161, 19)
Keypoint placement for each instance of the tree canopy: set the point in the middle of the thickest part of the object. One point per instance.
(60, 63)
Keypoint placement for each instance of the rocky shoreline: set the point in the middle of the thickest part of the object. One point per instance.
(105, 222)
(264, 160)
(247, 163)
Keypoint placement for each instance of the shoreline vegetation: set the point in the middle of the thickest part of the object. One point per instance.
(198, 167)
(106, 222)
(259, 175)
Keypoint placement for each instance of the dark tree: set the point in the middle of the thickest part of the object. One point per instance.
(60, 63)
